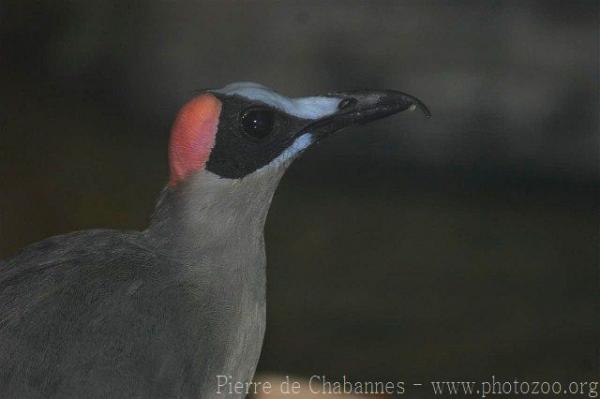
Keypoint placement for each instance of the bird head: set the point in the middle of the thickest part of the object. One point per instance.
(246, 128)
(229, 148)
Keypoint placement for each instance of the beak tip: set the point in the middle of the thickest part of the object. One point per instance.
(413, 103)
(422, 107)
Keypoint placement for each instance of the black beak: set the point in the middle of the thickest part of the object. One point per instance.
(363, 106)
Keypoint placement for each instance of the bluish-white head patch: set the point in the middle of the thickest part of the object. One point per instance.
(303, 107)
(289, 154)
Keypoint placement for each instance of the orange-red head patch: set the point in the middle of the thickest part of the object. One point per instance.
(193, 136)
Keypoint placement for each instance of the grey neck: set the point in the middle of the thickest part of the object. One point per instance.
(213, 229)
(208, 212)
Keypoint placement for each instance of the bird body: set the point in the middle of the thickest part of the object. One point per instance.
(162, 313)
(153, 314)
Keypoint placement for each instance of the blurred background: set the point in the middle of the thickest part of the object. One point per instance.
(410, 250)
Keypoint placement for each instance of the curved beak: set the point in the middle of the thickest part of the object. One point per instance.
(363, 106)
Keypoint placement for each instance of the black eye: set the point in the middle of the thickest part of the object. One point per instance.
(257, 122)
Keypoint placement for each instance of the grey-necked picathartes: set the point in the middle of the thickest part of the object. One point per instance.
(160, 313)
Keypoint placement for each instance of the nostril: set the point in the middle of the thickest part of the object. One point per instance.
(347, 103)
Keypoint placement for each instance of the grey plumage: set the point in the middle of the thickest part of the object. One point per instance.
(109, 314)
(161, 313)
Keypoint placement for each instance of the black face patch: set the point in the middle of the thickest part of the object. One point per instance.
(238, 152)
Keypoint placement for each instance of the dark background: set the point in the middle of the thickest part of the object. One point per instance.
(457, 247)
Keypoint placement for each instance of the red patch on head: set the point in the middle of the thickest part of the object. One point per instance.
(193, 136)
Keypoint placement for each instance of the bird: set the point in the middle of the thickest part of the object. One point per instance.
(169, 311)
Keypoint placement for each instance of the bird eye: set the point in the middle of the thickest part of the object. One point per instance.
(257, 122)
